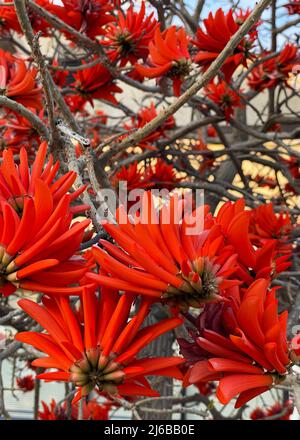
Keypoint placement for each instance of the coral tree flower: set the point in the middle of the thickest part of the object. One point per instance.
(259, 261)
(274, 71)
(143, 117)
(224, 96)
(37, 241)
(159, 175)
(9, 19)
(293, 7)
(278, 411)
(160, 257)
(268, 226)
(91, 410)
(18, 132)
(169, 57)
(86, 16)
(128, 38)
(25, 383)
(248, 352)
(18, 82)
(96, 83)
(210, 43)
(98, 348)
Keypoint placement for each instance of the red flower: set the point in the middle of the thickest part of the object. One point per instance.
(163, 260)
(18, 82)
(37, 241)
(92, 410)
(76, 103)
(9, 20)
(96, 83)
(293, 7)
(211, 131)
(132, 175)
(274, 71)
(250, 354)
(59, 76)
(159, 175)
(224, 96)
(219, 29)
(169, 57)
(53, 411)
(86, 16)
(18, 132)
(162, 175)
(240, 16)
(130, 36)
(98, 347)
(143, 117)
(278, 411)
(25, 383)
(268, 226)
(261, 261)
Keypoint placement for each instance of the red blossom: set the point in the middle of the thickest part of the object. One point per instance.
(97, 348)
(268, 226)
(224, 96)
(25, 383)
(159, 175)
(143, 117)
(169, 57)
(9, 20)
(259, 261)
(18, 82)
(128, 38)
(38, 243)
(274, 71)
(91, 410)
(182, 269)
(18, 132)
(96, 83)
(210, 43)
(293, 7)
(250, 354)
(86, 16)
(278, 411)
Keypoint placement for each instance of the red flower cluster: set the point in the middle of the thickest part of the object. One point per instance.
(257, 257)
(162, 260)
(159, 175)
(18, 132)
(38, 243)
(143, 117)
(293, 7)
(219, 29)
(18, 82)
(183, 268)
(9, 20)
(224, 96)
(128, 38)
(25, 383)
(86, 16)
(97, 347)
(278, 411)
(241, 344)
(95, 83)
(91, 410)
(169, 57)
(266, 227)
(276, 70)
